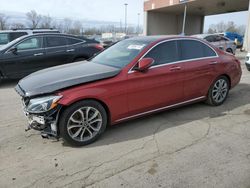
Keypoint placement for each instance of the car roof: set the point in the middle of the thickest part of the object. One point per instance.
(28, 30)
(159, 38)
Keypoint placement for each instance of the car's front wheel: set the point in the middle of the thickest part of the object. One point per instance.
(218, 91)
(83, 122)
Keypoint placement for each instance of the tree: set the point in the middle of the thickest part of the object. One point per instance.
(33, 18)
(67, 24)
(226, 27)
(17, 26)
(3, 22)
(76, 28)
(231, 27)
(46, 22)
(211, 31)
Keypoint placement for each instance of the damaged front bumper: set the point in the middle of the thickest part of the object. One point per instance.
(46, 123)
(42, 112)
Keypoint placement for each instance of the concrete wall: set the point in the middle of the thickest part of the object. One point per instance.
(246, 44)
(159, 23)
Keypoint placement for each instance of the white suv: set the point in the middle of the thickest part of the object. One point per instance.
(7, 36)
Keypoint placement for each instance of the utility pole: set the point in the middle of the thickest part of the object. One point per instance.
(184, 16)
(126, 9)
(138, 28)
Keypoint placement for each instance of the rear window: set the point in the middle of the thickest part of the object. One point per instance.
(54, 41)
(191, 49)
(71, 41)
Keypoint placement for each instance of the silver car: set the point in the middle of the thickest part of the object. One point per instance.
(219, 41)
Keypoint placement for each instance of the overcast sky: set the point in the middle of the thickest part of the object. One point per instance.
(106, 10)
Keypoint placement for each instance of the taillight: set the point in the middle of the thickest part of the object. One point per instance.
(98, 46)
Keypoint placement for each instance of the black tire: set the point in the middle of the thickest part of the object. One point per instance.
(211, 98)
(71, 111)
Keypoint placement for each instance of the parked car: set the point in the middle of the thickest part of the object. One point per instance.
(31, 53)
(7, 36)
(219, 41)
(133, 78)
(234, 37)
(248, 61)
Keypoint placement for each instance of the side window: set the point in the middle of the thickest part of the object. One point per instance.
(208, 52)
(164, 53)
(210, 39)
(218, 38)
(53, 41)
(191, 49)
(71, 41)
(16, 35)
(31, 43)
(4, 38)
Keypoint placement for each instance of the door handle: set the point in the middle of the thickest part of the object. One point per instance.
(175, 68)
(39, 54)
(213, 63)
(71, 50)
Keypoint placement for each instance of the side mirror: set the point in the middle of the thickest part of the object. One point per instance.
(144, 64)
(13, 50)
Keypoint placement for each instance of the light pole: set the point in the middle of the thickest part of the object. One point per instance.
(126, 8)
(185, 15)
(138, 28)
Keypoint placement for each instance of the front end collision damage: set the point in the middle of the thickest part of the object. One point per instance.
(46, 123)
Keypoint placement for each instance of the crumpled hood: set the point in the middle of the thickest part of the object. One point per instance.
(60, 77)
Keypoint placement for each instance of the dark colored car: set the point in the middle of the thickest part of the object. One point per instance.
(132, 78)
(31, 53)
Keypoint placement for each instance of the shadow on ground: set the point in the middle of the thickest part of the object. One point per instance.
(8, 84)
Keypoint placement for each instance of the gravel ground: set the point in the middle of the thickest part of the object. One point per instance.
(193, 146)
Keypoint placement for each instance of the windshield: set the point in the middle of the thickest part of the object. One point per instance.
(120, 54)
(4, 38)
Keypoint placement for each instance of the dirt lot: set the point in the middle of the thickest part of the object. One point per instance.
(194, 146)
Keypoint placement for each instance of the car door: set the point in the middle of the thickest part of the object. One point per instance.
(200, 67)
(161, 85)
(75, 49)
(24, 58)
(56, 50)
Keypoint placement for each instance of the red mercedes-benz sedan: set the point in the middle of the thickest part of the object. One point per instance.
(133, 78)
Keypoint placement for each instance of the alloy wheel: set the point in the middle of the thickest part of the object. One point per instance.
(220, 90)
(84, 124)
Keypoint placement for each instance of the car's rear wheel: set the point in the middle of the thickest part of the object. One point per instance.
(218, 91)
(83, 122)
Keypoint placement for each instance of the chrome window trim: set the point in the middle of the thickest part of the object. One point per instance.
(83, 41)
(162, 108)
(175, 62)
